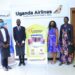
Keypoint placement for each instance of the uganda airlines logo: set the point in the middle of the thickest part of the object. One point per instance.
(58, 10)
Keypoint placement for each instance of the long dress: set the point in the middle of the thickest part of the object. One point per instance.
(52, 41)
(65, 56)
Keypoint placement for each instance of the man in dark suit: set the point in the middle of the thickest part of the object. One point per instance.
(4, 45)
(19, 37)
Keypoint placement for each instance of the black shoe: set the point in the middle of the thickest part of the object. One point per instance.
(60, 64)
(9, 67)
(24, 64)
(5, 69)
(68, 63)
(19, 64)
(73, 65)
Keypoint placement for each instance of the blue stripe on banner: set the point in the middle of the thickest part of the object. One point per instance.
(9, 25)
(11, 46)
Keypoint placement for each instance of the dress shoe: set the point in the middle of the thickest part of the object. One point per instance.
(68, 63)
(5, 69)
(24, 64)
(19, 64)
(60, 64)
(73, 65)
(9, 67)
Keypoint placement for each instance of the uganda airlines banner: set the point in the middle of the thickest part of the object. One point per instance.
(37, 43)
(31, 13)
(5, 15)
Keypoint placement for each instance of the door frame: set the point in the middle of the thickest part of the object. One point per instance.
(71, 10)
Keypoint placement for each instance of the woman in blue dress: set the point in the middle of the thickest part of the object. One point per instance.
(53, 40)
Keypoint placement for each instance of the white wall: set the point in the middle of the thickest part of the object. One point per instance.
(8, 3)
(25, 5)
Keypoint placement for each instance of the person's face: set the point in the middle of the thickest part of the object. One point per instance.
(52, 23)
(18, 22)
(1, 23)
(65, 20)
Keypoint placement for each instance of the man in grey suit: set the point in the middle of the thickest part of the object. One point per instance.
(4, 45)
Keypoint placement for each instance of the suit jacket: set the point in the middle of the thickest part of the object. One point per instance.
(19, 35)
(5, 52)
(7, 37)
(69, 29)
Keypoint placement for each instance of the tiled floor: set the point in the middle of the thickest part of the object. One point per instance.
(40, 69)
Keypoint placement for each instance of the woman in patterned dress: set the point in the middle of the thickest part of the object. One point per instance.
(66, 36)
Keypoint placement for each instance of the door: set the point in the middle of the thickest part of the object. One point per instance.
(73, 23)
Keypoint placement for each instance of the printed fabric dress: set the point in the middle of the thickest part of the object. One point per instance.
(65, 56)
(52, 41)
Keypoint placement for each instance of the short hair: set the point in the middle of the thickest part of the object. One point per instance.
(18, 20)
(66, 18)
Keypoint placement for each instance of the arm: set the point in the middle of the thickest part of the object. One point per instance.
(48, 37)
(56, 37)
(24, 36)
(24, 30)
(1, 43)
(14, 33)
(7, 35)
(70, 34)
(60, 36)
(8, 39)
(48, 40)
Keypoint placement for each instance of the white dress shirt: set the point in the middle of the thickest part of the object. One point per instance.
(19, 27)
(4, 34)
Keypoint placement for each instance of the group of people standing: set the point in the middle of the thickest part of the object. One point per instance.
(61, 44)
(19, 35)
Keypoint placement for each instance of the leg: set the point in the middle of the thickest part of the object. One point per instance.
(23, 60)
(70, 58)
(60, 59)
(54, 55)
(2, 62)
(20, 61)
(5, 64)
